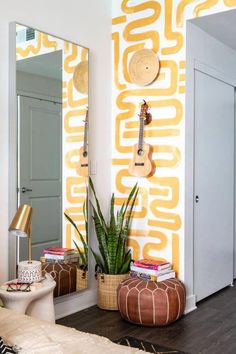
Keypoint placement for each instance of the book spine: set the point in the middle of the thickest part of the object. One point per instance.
(161, 277)
(63, 258)
(149, 271)
(53, 256)
(58, 253)
(166, 276)
(143, 270)
(63, 261)
(152, 266)
(143, 276)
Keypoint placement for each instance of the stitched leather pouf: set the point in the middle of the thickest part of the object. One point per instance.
(64, 275)
(150, 303)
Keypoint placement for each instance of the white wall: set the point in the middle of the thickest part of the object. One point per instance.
(87, 23)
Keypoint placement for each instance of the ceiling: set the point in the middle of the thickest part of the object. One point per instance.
(47, 65)
(221, 26)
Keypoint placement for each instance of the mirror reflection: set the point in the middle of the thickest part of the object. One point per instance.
(52, 101)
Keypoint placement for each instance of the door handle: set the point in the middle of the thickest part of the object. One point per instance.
(24, 190)
(197, 199)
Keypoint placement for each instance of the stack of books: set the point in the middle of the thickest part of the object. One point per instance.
(61, 254)
(152, 270)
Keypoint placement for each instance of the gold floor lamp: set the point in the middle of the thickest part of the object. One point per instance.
(21, 226)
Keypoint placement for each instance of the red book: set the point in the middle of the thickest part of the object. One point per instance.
(151, 264)
(61, 251)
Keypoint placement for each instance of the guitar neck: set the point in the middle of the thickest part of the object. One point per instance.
(141, 132)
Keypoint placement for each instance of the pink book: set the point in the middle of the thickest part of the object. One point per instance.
(151, 264)
(61, 251)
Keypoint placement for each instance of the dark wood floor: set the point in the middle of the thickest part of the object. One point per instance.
(210, 329)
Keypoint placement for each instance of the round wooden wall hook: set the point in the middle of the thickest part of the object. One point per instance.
(80, 77)
(144, 67)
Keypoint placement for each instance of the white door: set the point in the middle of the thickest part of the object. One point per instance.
(39, 165)
(213, 185)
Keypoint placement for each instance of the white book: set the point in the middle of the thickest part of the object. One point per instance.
(61, 257)
(170, 274)
(149, 271)
(54, 256)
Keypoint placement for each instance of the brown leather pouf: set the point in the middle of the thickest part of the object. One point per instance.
(150, 303)
(64, 275)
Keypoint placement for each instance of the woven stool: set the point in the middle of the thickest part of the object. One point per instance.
(150, 303)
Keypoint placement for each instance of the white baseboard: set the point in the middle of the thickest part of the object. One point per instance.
(69, 304)
(190, 304)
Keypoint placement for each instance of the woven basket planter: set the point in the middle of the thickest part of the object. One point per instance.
(107, 290)
(81, 279)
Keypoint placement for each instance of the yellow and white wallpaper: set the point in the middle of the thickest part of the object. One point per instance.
(74, 105)
(158, 224)
(74, 112)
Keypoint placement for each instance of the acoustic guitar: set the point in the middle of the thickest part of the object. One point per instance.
(141, 164)
(82, 168)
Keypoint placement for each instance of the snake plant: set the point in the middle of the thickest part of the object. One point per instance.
(113, 257)
(84, 240)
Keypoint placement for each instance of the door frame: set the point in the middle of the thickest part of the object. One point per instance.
(191, 66)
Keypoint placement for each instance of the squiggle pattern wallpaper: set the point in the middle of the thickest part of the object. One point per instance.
(74, 112)
(74, 106)
(158, 225)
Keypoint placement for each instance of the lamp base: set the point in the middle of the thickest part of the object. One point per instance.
(29, 272)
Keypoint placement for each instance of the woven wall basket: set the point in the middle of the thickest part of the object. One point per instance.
(107, 290)
(81, 279)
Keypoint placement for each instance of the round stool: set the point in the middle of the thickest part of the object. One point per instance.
(36, 303)
(151, 303)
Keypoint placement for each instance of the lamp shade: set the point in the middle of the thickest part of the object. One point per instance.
(21, 222)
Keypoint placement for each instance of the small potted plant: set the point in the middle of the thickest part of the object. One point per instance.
(82, 269)
(113, 259)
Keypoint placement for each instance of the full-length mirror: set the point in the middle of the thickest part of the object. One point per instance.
(52, 144)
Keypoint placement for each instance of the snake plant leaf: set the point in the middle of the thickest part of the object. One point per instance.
(85, 213)
(112, 239)
(112, 250)
(112, 215)
(127, 253)
(120, 220)
(126, 265)
(101, 236)
(132, 193)
(112, 236)
(97, 202)
(99, 262)
(120, 254)
(81, 254)
(123, 211)
(85, 245)
(131, 207)
(126, 227)
(119, 238)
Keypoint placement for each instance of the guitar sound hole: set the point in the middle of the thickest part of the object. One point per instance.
(85, 154)
(140, 152)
